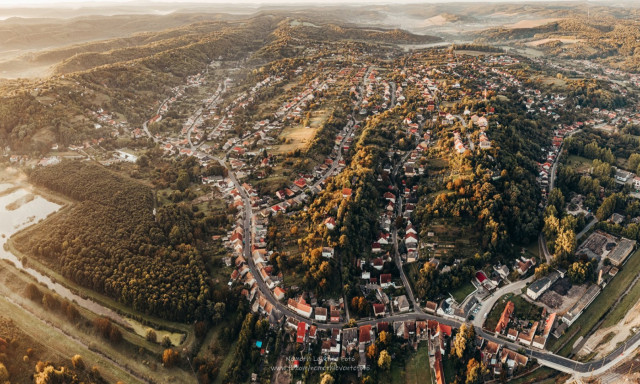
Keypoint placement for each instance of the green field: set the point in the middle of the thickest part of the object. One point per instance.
(417, 370)
(462, 292)
(579, 163)
(621, 309)
(100, 298)
(226, 363)
(601, 306)
(533, 249)
(449, 369)
(525, 310)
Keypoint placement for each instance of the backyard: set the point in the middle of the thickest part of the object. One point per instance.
(415, 371)
(462, 292)
(522, 310)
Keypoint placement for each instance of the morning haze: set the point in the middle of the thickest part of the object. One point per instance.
(294, 192)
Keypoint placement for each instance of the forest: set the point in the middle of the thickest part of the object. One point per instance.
(498, 193)
(110, 241)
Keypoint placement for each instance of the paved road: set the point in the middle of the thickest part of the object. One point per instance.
(403, 276)
(544, 357)
(392, 102)
(334, 166)
(248, 240)
(587, 228)
(552, 180)
(222, 88)
(398, 261)
(145, 125)
(248, 215)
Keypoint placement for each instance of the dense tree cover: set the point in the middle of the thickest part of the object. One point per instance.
(627, 206)
(48, 373)
(236, 372)
(582, 271)
(474, 372)
(559, 231)
(587, 145)
(20, 357)
(111, 242)
(53, 302)
(24, 113)
(282, 41)
(477, 47)
(356, 217)
(594, 94)
(360, 306)
(600, 179)
(335, 32)
(91, 55)
(302, 160)
(431, 283)
(384, 360)
(128, 81)
(107, 329)
(464, 341)
(504, 209)
(170, 357)
(323, 140)
(466, 358)
(607, 148)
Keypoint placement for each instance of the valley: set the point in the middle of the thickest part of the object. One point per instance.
(222, 194)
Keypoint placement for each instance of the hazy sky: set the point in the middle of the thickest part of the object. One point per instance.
(19, 3)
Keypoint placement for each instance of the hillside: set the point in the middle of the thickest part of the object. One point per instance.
(129, 75)
(615, 42)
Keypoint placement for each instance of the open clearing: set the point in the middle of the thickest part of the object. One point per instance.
(618, 326)
(530, 23)
(416, 369)
(563, 40)
(299, 136)
(462, 292)
(295, 138)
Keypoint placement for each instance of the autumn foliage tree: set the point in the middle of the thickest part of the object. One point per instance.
(372, 351)
(170, 357)
(474, 371)
(384, 361)
(463, 342)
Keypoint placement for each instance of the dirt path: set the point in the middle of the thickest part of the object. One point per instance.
(598, 341)
(67, 340)
(281, 374)
(58, 341)
(621, 332)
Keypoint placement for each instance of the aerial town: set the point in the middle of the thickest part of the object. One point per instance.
(326, 211)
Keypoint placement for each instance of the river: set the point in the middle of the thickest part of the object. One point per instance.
(16, 215)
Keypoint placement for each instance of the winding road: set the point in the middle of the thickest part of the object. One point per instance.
(563, 364)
